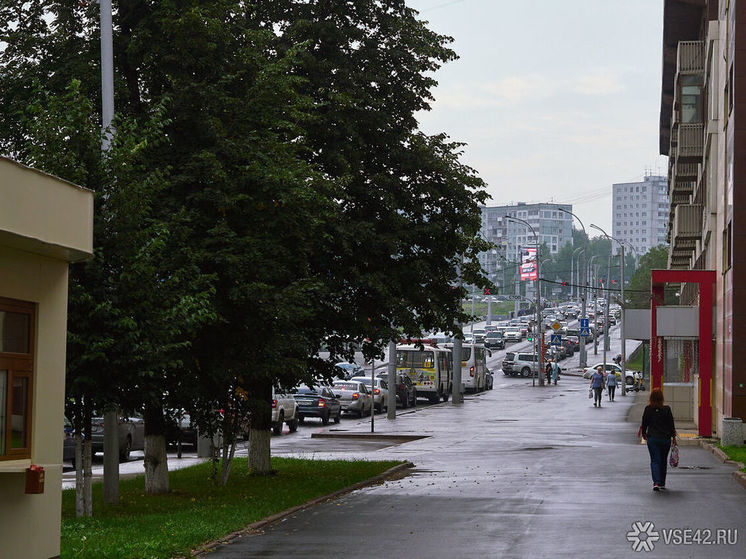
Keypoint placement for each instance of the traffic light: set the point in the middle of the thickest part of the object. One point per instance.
(488, 291)
(565, 283)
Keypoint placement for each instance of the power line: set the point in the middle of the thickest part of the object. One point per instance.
(442, 5)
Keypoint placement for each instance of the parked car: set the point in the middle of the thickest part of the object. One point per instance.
(131, 435)
(182, 431)
(479, 336)
(284, 410)
(633, 378)
(494, 339)
(380, 391)
(353, 396)
(68, 442)
(406, 391)
(317, 401)
(523, 364)
(349, 370)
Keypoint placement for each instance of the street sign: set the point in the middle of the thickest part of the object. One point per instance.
(584, 323)
(585, 331)
(555, 339)
(512, 297)
(556, 325)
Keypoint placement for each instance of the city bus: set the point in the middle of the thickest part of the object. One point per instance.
(429, 368)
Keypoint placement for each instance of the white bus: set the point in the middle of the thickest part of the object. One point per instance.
(429, 368)
(473, 367)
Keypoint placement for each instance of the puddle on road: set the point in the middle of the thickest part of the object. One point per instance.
(694, 468)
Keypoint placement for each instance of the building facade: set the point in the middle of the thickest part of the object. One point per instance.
(702, 40)
(640, 213)
(553, 227)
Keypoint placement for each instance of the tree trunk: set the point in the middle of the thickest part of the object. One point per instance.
(87, 476)
(156, 465)
(229, 450)
(259, 430)
(80, 507)
(156, 461)
(260, 461)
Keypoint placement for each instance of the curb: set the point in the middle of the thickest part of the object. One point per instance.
(738, 475)
(203, 550)
(403, 438)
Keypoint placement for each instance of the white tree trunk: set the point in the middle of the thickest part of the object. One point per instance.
(156, 465)
(259, 451)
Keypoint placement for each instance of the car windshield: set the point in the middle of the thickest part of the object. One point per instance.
(346, 385)
(364, 380)
(346, 366)
(465, 353)
(494, 335)
(510, 356)
(306, 390)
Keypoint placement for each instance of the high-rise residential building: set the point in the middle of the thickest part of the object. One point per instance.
(553, 227)
(640, 213)
(704, 63)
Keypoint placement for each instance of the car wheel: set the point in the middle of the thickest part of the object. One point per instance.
(405, 401)
(301, 419)
(338, 417)
(293, 425)
(445, 396)
(277, 427)
(525, 372)
(325, 419)
(124, 453)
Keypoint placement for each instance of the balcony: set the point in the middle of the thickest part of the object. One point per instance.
(690, 58)
(690, 143)
(687, 222)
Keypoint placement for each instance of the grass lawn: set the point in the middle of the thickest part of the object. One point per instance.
(196, 511)
(634, 361)
(737, 453)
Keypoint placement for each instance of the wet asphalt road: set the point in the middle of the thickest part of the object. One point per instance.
(515, 472)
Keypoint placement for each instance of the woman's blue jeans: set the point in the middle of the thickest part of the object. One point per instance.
(658, 448)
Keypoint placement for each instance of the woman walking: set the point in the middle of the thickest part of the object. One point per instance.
(658, 429)
(597, 384)
(611, 383)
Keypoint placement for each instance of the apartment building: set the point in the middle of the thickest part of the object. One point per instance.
(640, 213)
(702, 40)
(552, 226)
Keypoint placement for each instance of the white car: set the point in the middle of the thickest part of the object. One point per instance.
(380, 392)
(634, 378)
(513, 335)
(354, 396)
(284, 410)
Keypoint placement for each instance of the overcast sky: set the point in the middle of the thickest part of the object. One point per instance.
(556, 99)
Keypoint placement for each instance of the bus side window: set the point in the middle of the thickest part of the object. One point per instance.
(427, 361)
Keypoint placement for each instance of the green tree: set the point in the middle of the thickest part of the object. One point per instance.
(638, 293)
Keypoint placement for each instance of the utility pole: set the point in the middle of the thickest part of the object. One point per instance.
(111, 416)
(391, 404)
(458, 397)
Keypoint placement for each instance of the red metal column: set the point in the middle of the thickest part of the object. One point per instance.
(706, 289)
(656, 344)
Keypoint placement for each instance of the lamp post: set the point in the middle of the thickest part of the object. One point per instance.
(595, 305)
(623, 337)
(542, 265)
(584, 296)
(573, 288)
(537, 302)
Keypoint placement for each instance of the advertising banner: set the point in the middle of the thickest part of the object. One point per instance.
(528, 264)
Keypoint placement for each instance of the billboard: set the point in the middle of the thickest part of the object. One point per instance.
(528, 264)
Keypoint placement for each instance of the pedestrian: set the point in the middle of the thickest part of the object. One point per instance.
(658, 430)
(555, 370)
(611, 383)
(548, 371)
(597, 384)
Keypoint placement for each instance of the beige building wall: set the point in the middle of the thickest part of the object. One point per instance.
(44, 223)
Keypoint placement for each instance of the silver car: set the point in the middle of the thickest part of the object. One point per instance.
(380, 391)
(354, 397)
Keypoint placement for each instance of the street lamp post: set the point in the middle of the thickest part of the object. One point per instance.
(592, 274)
(537, 302)
(573, 288)
(584, 296)
(623, 337)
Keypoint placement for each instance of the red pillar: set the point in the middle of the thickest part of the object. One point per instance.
(706, 295)
(656, 344)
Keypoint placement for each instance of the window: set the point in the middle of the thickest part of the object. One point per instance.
(16, 377)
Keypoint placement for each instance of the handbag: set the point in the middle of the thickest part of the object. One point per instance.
(673, 460)
(590, 393)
